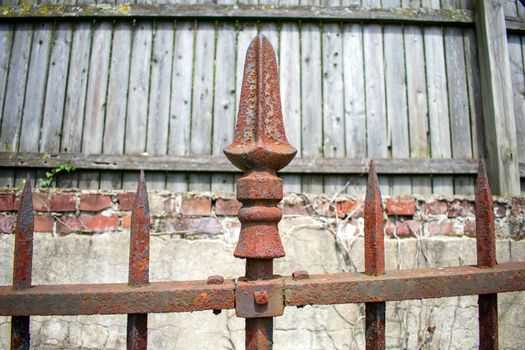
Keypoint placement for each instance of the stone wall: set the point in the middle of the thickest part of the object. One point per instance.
(83, 238)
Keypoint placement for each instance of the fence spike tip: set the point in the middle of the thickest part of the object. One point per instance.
(260, 138)
(141, 196)
(374, 232)
(485, 230)
(373, 193)
(140, 240)
(24, 218)
(482, 181)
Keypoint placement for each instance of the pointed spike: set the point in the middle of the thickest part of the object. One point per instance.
(374, 235)
(139, 242)
(23, 259)
(485, 232)
(260, 140)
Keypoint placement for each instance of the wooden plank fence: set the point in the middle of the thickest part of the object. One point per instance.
(168, 88)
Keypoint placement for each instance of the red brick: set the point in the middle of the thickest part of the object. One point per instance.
(126, 200)
(342, 208)
(401, 206)
(88, 223)
(192, 206)
(126, 221)
(469, 229)
(94, 202)
(7, 201)
(435, 208)
(68, 225)
(518, 206)
(57, 202)
(227, 207)
(409, 228)
(295, 209)
(191, 226)
(460, 208)
(443, 228)
(43, 223)
(6, 223)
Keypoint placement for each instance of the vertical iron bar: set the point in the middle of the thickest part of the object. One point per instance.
(137, 330)
(23, 263)
(260, 149)
(486, 252)
(374, 260)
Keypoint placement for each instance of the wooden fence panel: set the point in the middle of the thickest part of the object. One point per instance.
(517, 71)
(181, 94)
(396, 100)
(171, 88)
(15, 94)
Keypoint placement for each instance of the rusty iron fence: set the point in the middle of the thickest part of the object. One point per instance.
(260, 149)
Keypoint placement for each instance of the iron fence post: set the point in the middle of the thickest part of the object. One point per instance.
(486, 253)
(374, 260)
(137, 326)
(23, 264)
(260, 148)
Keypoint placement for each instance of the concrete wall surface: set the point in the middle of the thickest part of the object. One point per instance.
(310, 243)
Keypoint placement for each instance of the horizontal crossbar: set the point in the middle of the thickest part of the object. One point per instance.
(339, 288)
(118, 298)
(249, 12)
(221, 164)
(405, 285)
(423, 16)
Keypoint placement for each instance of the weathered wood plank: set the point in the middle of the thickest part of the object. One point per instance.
(202, 102)
(396, 100)
(207, 163)
(181, 100)
(15, 94)
(474, 92)
(6, 42)
(114, 128)
(355, 105)
(511, 9)
(460, 135)
(35, 93)
(311, 105)
(333, 102)
(159, 98)
(224, 102)
(417, 102)
(438, 112)
(376, 119)
(73, 118)
(95, 105)
(517, 71)
(310, 10)
(290, 83)
(138, 95)
(496, 89)
(521, 9)
(56, 88)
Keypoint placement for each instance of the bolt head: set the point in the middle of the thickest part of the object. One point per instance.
(216, 279)
(261, 297)
(300, 275)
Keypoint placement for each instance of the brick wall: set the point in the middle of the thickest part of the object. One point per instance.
(197, 214)
(194, 236)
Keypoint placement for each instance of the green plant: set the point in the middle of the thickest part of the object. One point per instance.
(50, 175)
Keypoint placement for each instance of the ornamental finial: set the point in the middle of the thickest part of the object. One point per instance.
(260, 140)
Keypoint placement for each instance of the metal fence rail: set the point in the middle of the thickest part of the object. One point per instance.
(260, 149)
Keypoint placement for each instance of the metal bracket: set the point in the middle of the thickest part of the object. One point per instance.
(259, 298)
